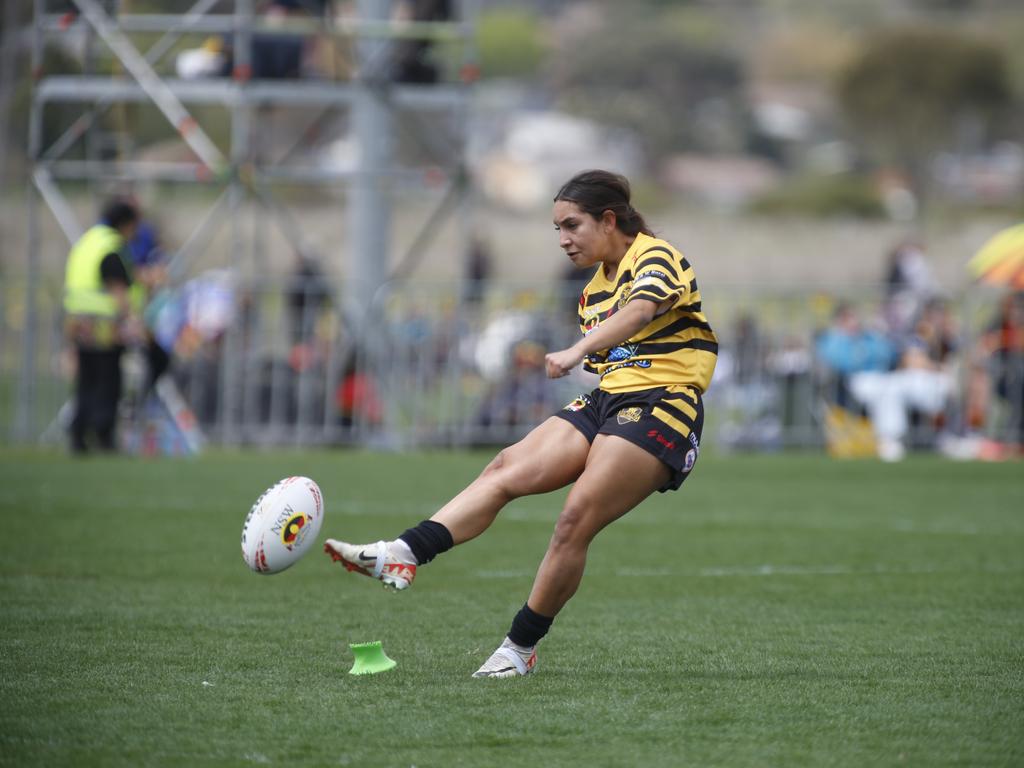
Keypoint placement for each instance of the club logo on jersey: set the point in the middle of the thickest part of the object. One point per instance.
(578, 404)
(624, 296)
(629, 415)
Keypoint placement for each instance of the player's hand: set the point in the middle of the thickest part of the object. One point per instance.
(560, 363)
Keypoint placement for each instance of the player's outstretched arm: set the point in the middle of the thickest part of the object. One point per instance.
(615, 330)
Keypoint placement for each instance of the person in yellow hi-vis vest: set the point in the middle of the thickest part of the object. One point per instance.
(100, 318)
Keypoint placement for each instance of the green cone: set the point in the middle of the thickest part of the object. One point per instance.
(370, 659)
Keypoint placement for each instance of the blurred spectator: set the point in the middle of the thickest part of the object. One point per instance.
(101, 317)
(274, 55)
(574, 280)
(846, 347)
(752, 413)
(479, 267)
(277, 56)
(921, 384)
(211, 59)
(413, 62)
(307, 294)
(747, 350)
(356, 396)
(1002, 355)
(150, 273)
(935, 332)
(909, 284)
(190, 323)
(522, 397)
(791, 361)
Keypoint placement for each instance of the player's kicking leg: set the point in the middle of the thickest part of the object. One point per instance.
(392, 562)
(550, 457)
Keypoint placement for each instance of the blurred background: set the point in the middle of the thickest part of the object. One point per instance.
(347, 230)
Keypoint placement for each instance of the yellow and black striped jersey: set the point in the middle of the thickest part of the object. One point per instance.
(677, 348)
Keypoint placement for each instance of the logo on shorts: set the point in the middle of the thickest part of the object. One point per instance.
(691, 458)
(627, 415)
(578, 404)
(662, 440)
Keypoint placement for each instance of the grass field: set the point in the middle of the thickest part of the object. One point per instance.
(778, 611)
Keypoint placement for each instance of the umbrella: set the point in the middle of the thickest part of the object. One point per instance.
(1000, 261)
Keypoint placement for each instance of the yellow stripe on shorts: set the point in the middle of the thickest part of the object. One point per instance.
(683, 404)
(663, 415)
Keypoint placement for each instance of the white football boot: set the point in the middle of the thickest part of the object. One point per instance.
(510, 660)
(381, 560)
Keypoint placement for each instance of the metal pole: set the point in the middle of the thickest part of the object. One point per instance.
(369, 208)
(62, 211)
(84, 121)
(150, 82)
(242, 43)
(8, 62)
(23, 421)
(233, 355)
(23, 415)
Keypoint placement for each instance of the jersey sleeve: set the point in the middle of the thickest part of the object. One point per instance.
(660, 275)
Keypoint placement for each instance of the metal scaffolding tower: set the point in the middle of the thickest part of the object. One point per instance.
(372, 97)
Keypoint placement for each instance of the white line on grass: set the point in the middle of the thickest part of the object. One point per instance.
(841, 570)
(761, 570)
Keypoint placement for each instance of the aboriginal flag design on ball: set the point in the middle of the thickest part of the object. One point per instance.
(291, 529)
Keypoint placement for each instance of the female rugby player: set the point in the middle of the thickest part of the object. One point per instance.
(639, 432)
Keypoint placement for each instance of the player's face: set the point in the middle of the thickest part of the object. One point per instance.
(584, 239)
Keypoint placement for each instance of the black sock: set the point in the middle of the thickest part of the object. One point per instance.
(528, 627)
(428, 540)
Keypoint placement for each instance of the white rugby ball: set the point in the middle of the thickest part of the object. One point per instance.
(282, 525)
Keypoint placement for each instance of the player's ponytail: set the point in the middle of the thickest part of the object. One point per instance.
(598, 191)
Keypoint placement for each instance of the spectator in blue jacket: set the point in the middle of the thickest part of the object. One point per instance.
(847, 347)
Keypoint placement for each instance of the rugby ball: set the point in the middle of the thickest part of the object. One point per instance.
(282, 525)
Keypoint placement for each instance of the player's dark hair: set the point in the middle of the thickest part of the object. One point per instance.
(598, 191)
(118, 212)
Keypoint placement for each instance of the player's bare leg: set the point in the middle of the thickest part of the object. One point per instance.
(618, 476)
(550, 457)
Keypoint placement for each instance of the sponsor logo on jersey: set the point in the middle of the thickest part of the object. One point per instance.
(628, 364)
(648, 275)
(620, 353)
(629, 415)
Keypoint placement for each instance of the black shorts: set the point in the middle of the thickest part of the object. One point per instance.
(666, 422)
